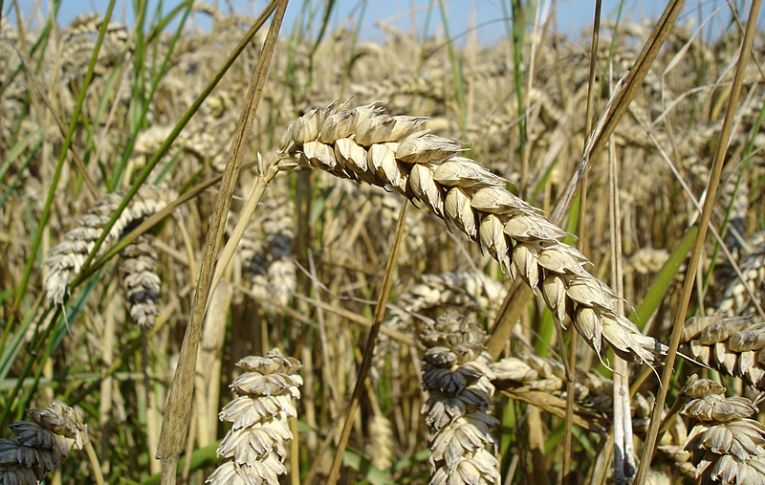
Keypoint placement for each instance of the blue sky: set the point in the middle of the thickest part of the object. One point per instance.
(572, 16)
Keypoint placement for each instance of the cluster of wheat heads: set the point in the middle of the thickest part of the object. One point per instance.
(466, 133)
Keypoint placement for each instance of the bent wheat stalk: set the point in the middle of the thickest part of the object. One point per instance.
(397, 153)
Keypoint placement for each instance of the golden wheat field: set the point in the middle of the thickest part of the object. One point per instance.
(254, 252)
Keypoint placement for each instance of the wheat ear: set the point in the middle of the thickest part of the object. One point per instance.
(40, 445)
(255, 447)
(67, 257)
(726, 445)
(381, 442)
(364, 143)
(266, 250)
(455, 376)
(734, 346)
(138, 266)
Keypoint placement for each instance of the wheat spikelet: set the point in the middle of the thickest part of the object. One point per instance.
(727, 446)
(255, 446)
(395, 152)
(67, 257)
(138, 266)
(40, 445)
(455, 376)
(734, 346)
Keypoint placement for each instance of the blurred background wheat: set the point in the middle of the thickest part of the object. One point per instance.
(547, 203)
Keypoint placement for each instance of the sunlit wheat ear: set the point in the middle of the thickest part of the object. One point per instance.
(254, 448)
(40, 445)
(140, 281)
(365, 144)
(734, 346)
(455, 376)
(67, 257)
(726, 445)
(540, 374)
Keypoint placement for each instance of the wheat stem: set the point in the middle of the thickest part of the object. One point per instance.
(690, 276)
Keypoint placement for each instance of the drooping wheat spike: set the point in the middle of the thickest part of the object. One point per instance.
(423, 86)
(727, 446)
(456, 378)
(735, 299)
(40, 445)
(734, 346)
(266, 396)
(79, 40)
(365, 144)
(542, 374)
(67, 257)
(140, 280)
